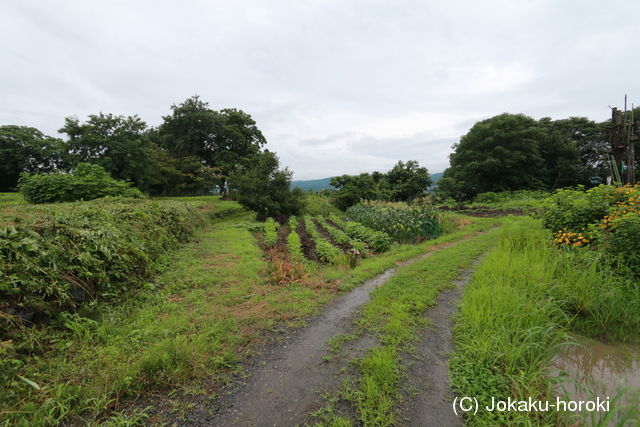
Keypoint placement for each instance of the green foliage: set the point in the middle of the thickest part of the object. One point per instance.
(407, 181)
(340, 237)
(293, 240)
(226, 139)
(26, 149)
(83, 251)
(377, 240)
(270, 232)
(316, 204)
(622, 240)
(404, 223)
(88, 182)
(265, 188)
(521, 301)
(325, 250)
(515, 152)
(575, 209)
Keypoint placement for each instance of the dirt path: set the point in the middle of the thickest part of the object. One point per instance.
(286, 380)
(432, 405)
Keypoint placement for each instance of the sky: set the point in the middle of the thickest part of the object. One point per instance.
(336, 87)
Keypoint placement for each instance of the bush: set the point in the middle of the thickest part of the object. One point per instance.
(54, 261)
(88, 182)
(575, 209)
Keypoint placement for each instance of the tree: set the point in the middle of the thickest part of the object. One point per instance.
(498, 154)
(26, 149)
(407, 181)
(263, 187)
(226, 139)
(117, 143)
(353, 189)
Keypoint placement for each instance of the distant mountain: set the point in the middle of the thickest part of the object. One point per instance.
(322, 184)
(312, 184)
(435, 177)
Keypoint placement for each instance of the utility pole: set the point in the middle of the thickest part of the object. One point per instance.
(622, 135)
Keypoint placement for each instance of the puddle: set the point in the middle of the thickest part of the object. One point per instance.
(595, 369)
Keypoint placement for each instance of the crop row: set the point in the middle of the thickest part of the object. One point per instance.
(403, 223)
(293, 240)
(325, 250)
(376, 240)
(270, 233)
(340, 237)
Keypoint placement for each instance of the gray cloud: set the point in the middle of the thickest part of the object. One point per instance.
(336, 86)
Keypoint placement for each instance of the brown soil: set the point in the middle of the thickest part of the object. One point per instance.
(308, 247)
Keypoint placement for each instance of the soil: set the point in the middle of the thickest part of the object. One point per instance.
(308, 247)
(429, 372)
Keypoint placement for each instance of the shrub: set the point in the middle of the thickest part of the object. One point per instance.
(87, 182)
(54, 261)
(575, 209)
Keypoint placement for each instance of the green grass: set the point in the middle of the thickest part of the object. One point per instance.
(522, 300)
(196, 319)
(11, 199)
(395, 315)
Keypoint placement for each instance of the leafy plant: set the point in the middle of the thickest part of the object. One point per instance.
(88, 182)
(270, 232)
(376, 240)
(404, 223)
(325, 250)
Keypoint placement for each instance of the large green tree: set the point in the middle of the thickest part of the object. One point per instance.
(117, 143)
(26, 149)
(226, 139)
(407, 181)
(498, 154)
(263, 187)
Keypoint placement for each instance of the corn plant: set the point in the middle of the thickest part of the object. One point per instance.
(404, 224)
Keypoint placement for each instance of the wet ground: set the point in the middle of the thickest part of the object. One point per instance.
(595, 369)
(429, 373)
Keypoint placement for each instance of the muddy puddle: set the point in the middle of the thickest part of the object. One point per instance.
(592, 369)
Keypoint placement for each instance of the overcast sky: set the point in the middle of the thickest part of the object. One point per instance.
(336, 86)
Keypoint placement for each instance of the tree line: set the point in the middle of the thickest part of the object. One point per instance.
(516, 152)
(195, 150)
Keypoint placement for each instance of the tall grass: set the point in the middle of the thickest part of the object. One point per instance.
(516, 311)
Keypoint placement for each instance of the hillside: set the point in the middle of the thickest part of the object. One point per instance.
(322, 184)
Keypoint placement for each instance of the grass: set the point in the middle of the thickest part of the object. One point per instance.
(192, 322)
(11, 199)
(522, 300)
